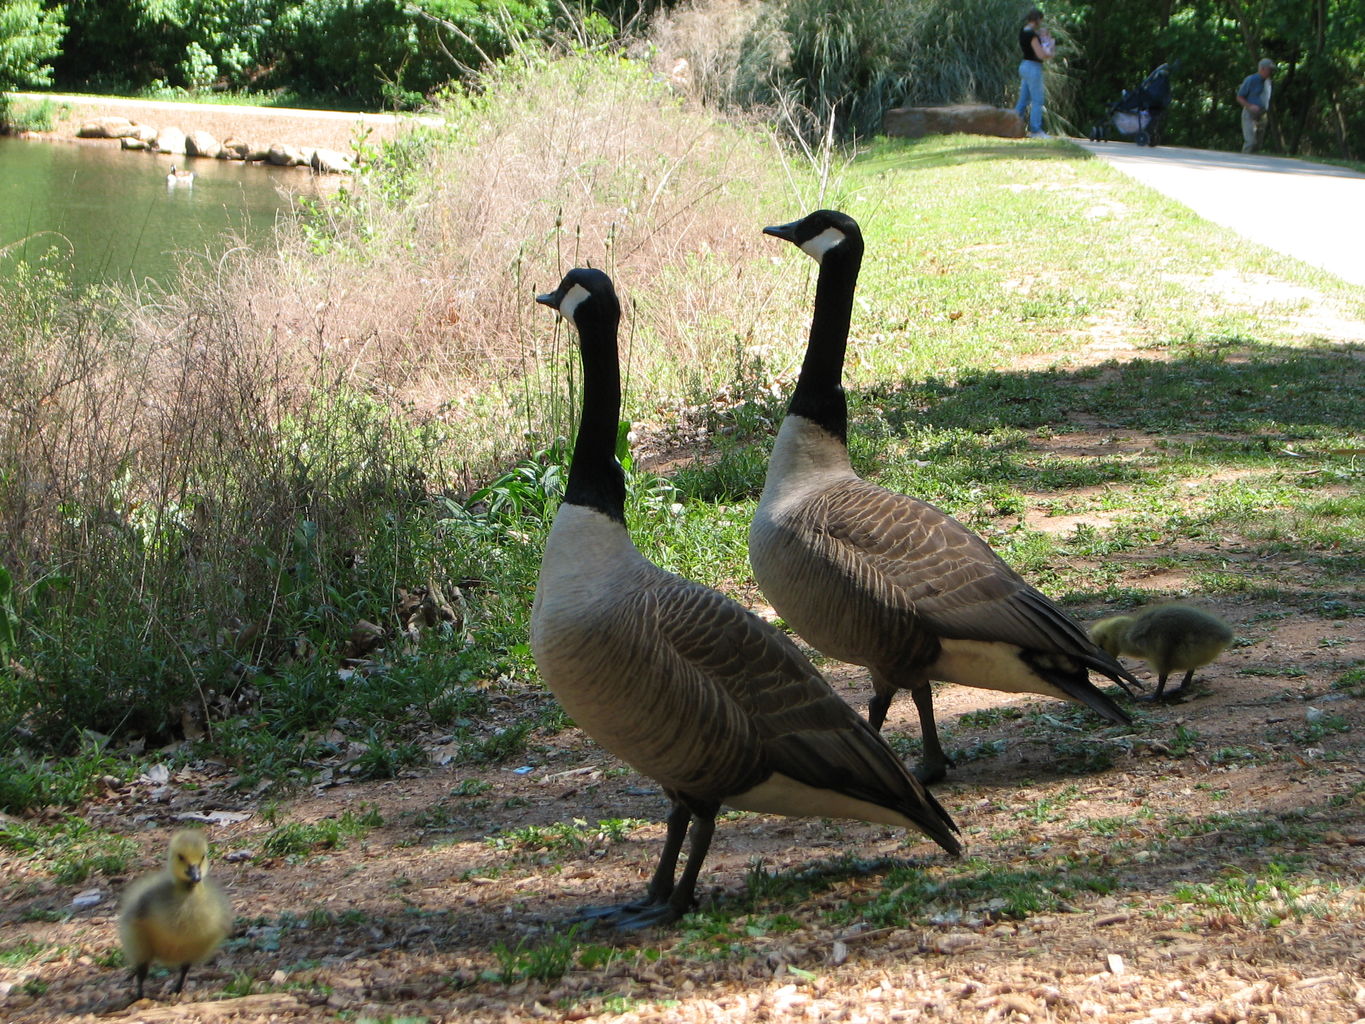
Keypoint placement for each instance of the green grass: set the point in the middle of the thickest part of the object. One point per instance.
(300, 838)
(1266, 897)
(69, 850)
(22, 953)
(564, 837)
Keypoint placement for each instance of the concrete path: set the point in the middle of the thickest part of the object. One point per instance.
(1314, 212)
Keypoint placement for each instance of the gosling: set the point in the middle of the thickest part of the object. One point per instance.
(177, 916)
(1171, 637)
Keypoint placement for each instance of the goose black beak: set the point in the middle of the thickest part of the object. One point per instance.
(192, 873)
(550, 299)
(786, 232)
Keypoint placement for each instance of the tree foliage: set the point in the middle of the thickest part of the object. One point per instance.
(30, 36)
(359, 51)
(1319, 46)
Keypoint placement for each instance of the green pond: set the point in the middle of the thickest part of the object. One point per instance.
(111, 214)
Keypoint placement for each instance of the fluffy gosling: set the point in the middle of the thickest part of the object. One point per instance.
(1172, 637)
(177, 916)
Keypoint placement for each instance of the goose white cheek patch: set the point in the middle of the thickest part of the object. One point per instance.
(572, 301)
(822, 243)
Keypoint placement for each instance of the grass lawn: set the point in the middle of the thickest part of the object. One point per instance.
(1074, 366)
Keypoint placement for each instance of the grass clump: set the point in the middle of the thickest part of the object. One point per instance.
(1267, 897)
(565, 837)
(69, 850)
(300, 839)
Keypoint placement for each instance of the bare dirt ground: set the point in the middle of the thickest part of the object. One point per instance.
(1236, 791)
(312, 128)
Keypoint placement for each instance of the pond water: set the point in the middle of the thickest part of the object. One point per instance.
(112, 213)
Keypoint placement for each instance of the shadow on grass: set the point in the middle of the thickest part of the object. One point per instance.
(928, 154)
(1256, 394)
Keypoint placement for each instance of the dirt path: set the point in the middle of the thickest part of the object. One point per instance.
(328, 129)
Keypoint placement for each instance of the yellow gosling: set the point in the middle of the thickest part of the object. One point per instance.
(177, 916)
(1171, 637)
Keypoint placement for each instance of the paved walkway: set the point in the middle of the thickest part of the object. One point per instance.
(1314, 212)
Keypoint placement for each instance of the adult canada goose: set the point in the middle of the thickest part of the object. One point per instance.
(1172, 637)
(179, 177)
(177, 916)
(879, 579)
(679, 681)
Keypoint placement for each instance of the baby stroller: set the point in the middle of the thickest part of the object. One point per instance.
(1139, 112)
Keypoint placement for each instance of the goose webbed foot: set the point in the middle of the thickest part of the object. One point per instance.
(645, 913)
(931, 770)
(664, 902)
(1179, 691)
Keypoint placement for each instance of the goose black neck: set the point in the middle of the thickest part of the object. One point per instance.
(819, 395)
(595, 477)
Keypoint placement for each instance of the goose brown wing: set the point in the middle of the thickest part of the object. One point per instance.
(916, 557)
(763, 692)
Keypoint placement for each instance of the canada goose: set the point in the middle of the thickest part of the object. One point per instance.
(1170, 636)
(179, 177)
(177, 916)
(676, 679)
(879, 579)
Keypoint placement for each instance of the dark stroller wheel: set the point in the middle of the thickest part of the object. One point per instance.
(1142, 139)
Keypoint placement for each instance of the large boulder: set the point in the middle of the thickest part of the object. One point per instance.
(282, 154)
(171, 140)
(236, 149)
(963, 119)
(107, 128)
(201, 143)
(330, 161)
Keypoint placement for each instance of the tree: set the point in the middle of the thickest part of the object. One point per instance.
(30, 37)
(1318, 45)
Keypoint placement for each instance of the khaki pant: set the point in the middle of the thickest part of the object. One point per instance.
(1253, 127)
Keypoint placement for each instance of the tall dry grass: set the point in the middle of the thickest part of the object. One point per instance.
(197, 483)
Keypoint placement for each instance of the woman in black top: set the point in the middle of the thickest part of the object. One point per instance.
(1035, 46)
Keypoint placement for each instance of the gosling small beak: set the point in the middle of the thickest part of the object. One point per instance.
(193, 874)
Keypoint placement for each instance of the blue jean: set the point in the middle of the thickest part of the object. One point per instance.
(1031, 93)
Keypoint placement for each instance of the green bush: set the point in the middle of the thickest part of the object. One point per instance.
(849, 61)
(391, 52)
(30, 37)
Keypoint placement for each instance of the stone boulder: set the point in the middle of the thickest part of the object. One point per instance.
(236, 149)
(964, 119)
(330, 161)
(107, 128)
(281, 154)
(171, 140)
(144, 133)
(201, 143)
(133, 142)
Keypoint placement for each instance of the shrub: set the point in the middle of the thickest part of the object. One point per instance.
(848, 61)
(204, 491)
